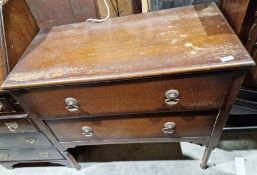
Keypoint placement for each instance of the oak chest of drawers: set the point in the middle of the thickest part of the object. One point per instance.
(166, 76)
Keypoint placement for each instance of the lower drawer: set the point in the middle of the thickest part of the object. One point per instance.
(25, 140)
(117, 128)
(30, 154)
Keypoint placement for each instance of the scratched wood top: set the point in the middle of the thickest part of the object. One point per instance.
(175, 41)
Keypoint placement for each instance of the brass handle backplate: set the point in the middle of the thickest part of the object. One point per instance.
(44, 154)
(12, 126)
(72, 104)
(30, 140)
(87, 131)
(172, 97)
(4, 156)
(169, 128)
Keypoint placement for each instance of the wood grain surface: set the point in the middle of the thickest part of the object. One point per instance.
(19, 29)
(49, 13)
(182, 40)
(117, 8)
(235, 12)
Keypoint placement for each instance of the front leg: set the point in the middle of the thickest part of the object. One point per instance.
(206, 156)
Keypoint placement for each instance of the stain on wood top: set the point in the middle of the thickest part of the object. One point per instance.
(182, 40)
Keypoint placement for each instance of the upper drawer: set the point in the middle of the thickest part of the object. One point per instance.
(17, 125)
(6, 107)
(179, 93)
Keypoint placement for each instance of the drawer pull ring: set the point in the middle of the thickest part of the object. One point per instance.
(171, 97)
(12, 126)
(30, 140)
(72, 104)
(87, 131)
(169, 128)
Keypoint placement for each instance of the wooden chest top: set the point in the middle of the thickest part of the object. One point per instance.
(175, 41)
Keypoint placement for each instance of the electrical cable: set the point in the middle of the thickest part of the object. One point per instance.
(101, 20)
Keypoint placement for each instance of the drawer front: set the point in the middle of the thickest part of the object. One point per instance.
(6, 107)
(25, 140)
(30, 154)
(162, 94)
(17, 125)
(118, 128)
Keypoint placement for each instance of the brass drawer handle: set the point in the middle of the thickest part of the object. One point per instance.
(4, 156)
(30, 140)
(72, 104)
(169, 128)
(12, 126)
(171, 97)
(44, 154)
(87, 131)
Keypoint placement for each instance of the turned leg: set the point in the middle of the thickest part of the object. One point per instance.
(71, 165)
(72, 161)
(206, 157)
